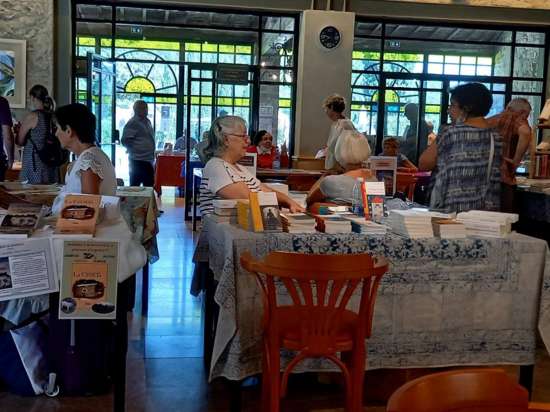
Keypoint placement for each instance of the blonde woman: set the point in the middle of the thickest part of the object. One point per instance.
(334, 107)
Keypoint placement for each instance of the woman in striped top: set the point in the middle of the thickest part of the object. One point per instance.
(222, 177)
(467, 155)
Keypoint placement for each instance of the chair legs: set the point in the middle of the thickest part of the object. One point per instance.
(271, 379)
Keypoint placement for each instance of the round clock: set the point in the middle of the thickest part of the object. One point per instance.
(330, 37)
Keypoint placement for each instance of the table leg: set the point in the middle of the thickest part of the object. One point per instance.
(145, 289)
(121, 349)
(210, 319)
(526, 377)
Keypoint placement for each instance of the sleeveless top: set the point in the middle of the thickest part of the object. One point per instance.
(33, 170)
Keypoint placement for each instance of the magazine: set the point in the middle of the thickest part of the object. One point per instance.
(385, 170)
(89, 280)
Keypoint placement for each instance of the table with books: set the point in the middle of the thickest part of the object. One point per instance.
(472, 301)
(534, 199)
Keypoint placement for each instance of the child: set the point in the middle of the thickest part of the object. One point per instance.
(391, 148)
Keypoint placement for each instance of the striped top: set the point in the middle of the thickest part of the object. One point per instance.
(461, 183)
(218, 174)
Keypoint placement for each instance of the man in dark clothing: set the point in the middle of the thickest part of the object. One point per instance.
(6, 135)
(417, 130)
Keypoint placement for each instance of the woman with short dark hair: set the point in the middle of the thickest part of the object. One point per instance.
(262, 145)
(35, 129)
(92, 172)
(467, 155)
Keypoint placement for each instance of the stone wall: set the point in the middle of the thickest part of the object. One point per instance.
(33, 21)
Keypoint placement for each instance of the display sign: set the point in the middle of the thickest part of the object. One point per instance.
(232, 73)
(89, 280)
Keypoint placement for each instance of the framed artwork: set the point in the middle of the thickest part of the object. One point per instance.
(13, 71)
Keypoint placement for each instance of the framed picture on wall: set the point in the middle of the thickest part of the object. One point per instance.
(13, 71)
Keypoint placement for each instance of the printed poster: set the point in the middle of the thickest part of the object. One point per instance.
(27, 268)
(89, 280)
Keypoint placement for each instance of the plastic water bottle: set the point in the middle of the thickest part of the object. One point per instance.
(357, 198)
(277, 159)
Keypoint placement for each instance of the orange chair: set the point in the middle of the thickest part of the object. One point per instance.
(470, 390)
(315, 323)
(406, 183)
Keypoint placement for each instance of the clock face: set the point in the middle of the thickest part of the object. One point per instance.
(330, 37)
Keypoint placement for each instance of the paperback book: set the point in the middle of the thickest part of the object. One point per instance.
(79, 215)
(264, 210)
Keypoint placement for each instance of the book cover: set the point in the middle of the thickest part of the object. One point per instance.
(374, 200)
(385, 170)
(264, 210)
(250, 161)
(20, 220)
(89, 280)
(79, 215)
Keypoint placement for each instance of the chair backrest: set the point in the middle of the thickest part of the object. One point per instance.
(320, 287)
(470, 390)
(406, 183)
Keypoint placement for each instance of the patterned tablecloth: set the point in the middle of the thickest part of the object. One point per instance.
(139, 208)
(461, 302)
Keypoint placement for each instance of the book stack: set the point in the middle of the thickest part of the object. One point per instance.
(449, 229)
(366, 227)
(298, 223)
(410, 223)
(542, 165)
(225, 211)
(480, 223)
(333, 224)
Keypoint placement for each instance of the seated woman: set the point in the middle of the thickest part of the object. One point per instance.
(262, 144)
(352, 149)
(92, 172)
(222, 177)
(467, 155)
(391, 148)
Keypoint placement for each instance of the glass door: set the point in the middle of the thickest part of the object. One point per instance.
(215, 90)
(101, 101)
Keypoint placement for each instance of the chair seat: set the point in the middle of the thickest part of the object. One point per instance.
(293, 320)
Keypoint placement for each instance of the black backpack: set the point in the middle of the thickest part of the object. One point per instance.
(51, 154)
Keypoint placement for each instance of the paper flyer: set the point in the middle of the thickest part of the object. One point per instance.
(27, 268)
(89, 280)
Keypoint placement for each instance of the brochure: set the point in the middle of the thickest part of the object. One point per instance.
(27, 268)
(385, 170)
(89, 280)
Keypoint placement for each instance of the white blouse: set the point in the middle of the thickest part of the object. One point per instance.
(336, 130)
(93, 159)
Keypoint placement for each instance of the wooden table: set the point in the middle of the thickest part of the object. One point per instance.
(296, 179)
(168, 168)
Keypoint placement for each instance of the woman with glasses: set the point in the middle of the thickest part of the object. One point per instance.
(222, 177)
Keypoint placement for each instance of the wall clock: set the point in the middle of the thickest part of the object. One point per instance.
(330, 37)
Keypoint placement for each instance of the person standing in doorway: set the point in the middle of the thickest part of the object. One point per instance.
(138, 137)
(6, 135)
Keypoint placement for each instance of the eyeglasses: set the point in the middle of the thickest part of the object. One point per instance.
(242, 136)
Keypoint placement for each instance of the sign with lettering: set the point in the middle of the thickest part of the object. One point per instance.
(232, 74)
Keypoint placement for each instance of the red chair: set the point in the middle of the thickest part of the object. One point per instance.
(316, 323)
(471, 390)
(406, 183)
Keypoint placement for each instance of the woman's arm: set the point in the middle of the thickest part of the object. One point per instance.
(315, 195)
(29, 122)
(90, 182)
(241, 191)
(524, 138)
(409, 165)
(284, 200)
(428, 158)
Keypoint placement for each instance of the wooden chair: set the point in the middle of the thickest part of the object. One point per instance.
(315, 323)
(406, 183)
(470, 390)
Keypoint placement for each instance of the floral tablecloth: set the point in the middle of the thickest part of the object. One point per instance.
(461, 302)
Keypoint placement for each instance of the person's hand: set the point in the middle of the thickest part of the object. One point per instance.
(295, 207)
(16, 128)
(511, 162)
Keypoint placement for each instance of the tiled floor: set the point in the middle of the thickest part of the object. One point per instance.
(165, 368)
